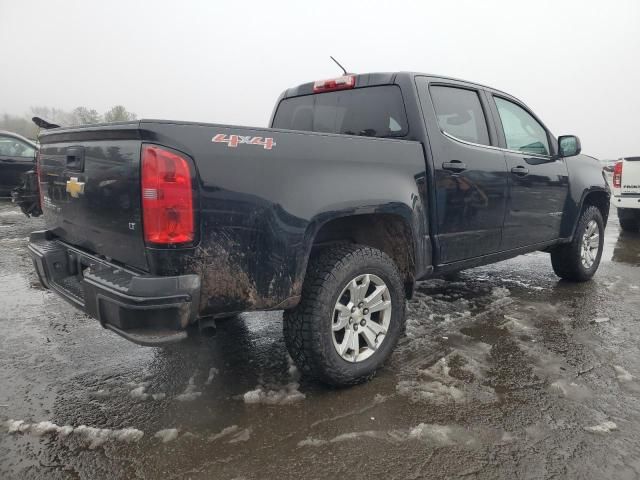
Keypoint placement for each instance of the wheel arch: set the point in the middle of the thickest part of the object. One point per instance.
(389, 230)
(598, 197)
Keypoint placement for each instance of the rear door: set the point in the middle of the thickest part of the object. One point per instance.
(16, 158)
(470, 173)
(90, 182)
(538, 183)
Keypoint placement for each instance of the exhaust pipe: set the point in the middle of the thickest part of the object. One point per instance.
(207, 326)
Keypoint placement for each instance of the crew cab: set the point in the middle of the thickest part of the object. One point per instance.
(626, 191)
(363, 185)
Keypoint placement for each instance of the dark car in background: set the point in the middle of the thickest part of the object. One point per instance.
(17, 156)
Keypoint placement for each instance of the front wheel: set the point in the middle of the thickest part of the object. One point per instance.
(350, 317)
(578, 261)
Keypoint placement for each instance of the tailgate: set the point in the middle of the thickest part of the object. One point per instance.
(631, 176)
(90, 182)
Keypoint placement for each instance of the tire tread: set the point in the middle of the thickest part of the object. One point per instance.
(565, 259)
(300, 324)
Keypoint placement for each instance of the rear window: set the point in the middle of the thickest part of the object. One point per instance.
(371, 112)
(460, 114)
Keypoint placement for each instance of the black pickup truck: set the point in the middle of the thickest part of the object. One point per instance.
(362, 185)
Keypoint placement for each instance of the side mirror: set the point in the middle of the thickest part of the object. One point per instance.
(568, 146)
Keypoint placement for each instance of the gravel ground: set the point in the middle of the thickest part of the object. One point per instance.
(505, 372)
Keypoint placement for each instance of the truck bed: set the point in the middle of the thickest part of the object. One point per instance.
(259, 196)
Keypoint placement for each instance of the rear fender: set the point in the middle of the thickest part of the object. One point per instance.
(400, 232)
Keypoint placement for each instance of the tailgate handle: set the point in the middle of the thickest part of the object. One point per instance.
(75, 159)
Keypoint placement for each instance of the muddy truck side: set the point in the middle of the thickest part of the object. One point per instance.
(363, 185)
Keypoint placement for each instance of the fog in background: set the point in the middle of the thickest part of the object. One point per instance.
(575, 63)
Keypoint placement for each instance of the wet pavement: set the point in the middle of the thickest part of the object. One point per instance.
(505, 372)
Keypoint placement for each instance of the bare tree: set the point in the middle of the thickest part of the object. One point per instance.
(85, 116)
(23, 125)
(20, 125)
(119, 114)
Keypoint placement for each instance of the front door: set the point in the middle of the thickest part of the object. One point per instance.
(470, 174)
(538, 183)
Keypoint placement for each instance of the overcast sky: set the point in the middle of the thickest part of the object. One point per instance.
(575, 63)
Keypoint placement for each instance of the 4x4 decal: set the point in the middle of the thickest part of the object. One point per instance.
(233, 141)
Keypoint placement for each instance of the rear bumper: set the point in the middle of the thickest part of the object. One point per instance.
(145, 309)
(626, 201)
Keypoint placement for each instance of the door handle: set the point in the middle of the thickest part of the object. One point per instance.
(454, 166)
(520, 170)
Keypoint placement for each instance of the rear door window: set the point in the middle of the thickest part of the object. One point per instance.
(460, 113)
(371, 112)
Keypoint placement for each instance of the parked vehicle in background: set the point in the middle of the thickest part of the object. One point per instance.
(608, 165)
(363, 185)
(626, 192)
(17, 156)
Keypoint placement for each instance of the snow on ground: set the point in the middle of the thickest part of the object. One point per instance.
(92, 437)
(241, 436)
(434, 434)
(570, 389)
(190, 392)
(212, 374)
(622, 375)
(167, 435)
(287, 394)
(277, 394)
(138, 393)
(455, 378)
(224, 433)
(604, 427)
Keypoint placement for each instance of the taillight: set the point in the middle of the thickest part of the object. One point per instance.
(340, 83)
(617, 175)
(167, 197)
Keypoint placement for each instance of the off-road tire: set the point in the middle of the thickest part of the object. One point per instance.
(566, 260)
(307, 328)
(629, 219)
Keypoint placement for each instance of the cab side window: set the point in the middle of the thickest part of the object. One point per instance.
(521, 131)
(460, 114)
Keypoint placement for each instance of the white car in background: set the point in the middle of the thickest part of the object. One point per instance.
(626, 191)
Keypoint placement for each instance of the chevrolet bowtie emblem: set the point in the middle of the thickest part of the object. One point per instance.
(74, 187)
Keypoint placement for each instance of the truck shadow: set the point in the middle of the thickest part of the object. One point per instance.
(627, 248)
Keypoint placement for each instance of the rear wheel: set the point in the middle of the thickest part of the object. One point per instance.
(579, 260)
(350, 317)
(629, 219)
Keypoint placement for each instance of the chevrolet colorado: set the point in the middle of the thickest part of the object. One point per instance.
(362, 185)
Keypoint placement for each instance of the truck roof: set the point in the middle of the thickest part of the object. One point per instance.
(380, 78)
